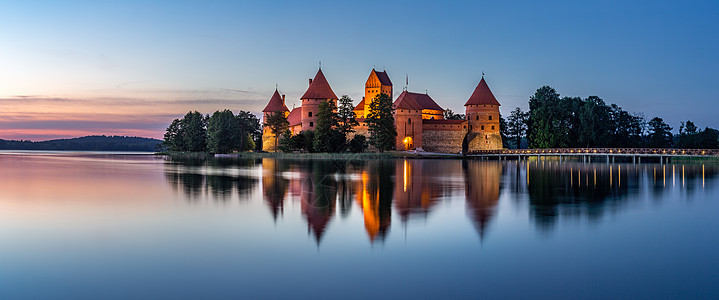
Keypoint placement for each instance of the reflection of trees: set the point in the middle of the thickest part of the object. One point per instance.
(482, 191)
(195, 177)
(577, 190)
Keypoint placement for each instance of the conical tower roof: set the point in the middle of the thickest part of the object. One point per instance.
(482, 95)
(319, 88)
(275, 104)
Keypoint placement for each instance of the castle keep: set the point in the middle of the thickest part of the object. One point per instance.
(419, 120)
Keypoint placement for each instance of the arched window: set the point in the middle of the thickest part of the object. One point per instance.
(482, 127)
(492, 127)
(409, 121)
(309, 115)
(490, 118)
(477, 118)
(311, 124)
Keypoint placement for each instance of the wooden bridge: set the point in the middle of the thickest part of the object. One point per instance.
(596, 154)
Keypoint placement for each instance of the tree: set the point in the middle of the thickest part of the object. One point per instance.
(223, 132)
(346, 115)
(380, 123)
(503, 131)
(517, 126)
(250, 126)
(593, 128)
(328, 138)
(660, 135)
(187, 134)
(450, 115)
(195, 131)
(277, 122)
(173, 137)
(358, 143)
(548, 125)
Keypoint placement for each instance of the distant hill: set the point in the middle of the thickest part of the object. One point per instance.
(88, 143)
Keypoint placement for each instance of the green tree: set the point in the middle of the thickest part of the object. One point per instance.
(358, 143)
(548, 124)
(346, 115)
(328, 138)
(380, 122)
(173, 137)
(594, 123)
(660, 135)
(277, 122)
(223, 132)
(187, 134)
(252, 132)
(625, 129)
(503, 131)
(517, 126)
(450, 115)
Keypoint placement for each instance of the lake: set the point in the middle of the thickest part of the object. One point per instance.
(122, 226)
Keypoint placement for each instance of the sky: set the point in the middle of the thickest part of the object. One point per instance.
(75, 68)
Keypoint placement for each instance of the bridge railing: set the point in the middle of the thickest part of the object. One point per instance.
(597, 151)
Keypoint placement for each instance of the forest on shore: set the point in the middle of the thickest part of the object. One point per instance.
(87, 143)
(572, 122)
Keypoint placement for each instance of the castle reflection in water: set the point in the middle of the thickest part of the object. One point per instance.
(412, 189)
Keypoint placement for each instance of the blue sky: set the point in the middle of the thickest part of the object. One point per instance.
(75, 67)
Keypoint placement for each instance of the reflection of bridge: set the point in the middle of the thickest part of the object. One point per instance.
(597, 153)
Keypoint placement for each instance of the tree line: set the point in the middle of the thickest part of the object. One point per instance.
(334, 127)
(560, 122)
(222, 132)
(87, 143)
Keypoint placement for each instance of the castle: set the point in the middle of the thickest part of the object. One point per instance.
(419, 120)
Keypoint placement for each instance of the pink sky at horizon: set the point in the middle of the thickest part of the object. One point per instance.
(39, 118)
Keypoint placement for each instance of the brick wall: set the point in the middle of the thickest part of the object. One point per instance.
(446, 141)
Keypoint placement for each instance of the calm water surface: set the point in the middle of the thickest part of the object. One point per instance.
(91, 226)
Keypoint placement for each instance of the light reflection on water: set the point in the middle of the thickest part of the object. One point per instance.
(142, 226)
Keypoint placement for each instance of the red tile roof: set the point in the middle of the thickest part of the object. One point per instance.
(275, 104)
(406, 101)
(482, 95)
(425, 101)
(295, 117)
(360, 106)
(383, 77)
(319, 88)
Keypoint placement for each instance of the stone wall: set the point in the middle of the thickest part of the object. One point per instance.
(484, 141)
(445, 141)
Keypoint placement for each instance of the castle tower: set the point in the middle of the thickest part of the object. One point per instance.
(408, 121)
(277, 103)
(377, 83)
(319, 90)
(482, 111)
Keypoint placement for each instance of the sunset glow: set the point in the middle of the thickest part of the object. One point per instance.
(75, 68)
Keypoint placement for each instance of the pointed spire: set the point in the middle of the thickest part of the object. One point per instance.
(482, 95)
(319, 88)
(276, 103)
